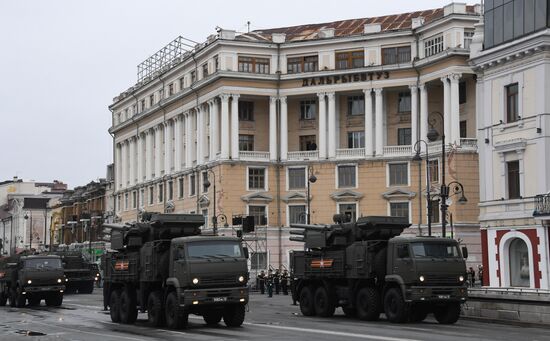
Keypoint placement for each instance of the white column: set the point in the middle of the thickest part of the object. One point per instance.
(273, 128)
(177, 143)
(235, 127)
(200, 134)
(379, 113)
(284, 128)
(140, 157)
(168, 149)
(158, 151)
(455, 109)
(132, 161)
(414, 114)
(193, 135)
(188, 141)
(225, 126)
(149, 154)
(331, 125)
(124, 173)
(446, 109)
(118, 162)
(214, 130)
(322, 126)
(423, 115)
(369, 121)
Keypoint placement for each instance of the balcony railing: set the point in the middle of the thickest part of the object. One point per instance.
(397, 150)
(542, 205)
(468, 143)
(350, 153)
(253, 156)
(303, 155)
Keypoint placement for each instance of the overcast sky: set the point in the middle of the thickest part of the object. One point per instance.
(62, 62)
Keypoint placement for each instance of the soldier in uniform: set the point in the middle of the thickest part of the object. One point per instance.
(277, 281)
(269, 283)
(261, 281)
(284, 282)
(292, 288)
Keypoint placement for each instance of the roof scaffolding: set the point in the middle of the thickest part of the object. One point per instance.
(166, 57)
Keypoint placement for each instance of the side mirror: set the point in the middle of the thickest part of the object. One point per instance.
(245, 250)
(465, 252)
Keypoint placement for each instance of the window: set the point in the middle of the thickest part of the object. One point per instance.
(463, 129)
(433, 46)
(398, 174)
(182, 84)
(142, 105)
(170, 190)
(396, 55)
(512, 168)
(151, 195)
(435, 211)
(161, 193)
(126, 114)
(134, 199)
(258, 260)
(519, 263)
(346, 176)
(462, 92)
(399, 209)
(161, 94)
(205, 181)
(296, 178)
(256, 178)
(259, 214)
(308, 109)
(434, 170)
(468, 35)
(246, 111)
(204, 70)
(356, 139)
(349, 210)
(402, 251)
(302, 64)
(119, 203)
(192, 185)
(205, 215)
(253, 64)
(307, 142)
(126, 204)
(404, 102)
(216, 63)
(356, 105)
(246, 142)
(142, 197)
(512, 107)
(403, 136)
(151, 100)
(180, 187)
(193, 77)
(297, 214)
(350, 60)
(171, 89)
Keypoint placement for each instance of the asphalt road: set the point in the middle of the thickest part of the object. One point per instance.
(81, 318)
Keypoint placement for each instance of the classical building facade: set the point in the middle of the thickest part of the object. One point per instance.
(511, 56)
(257, 114)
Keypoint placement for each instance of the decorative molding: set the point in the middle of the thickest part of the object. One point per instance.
(295, 197)
(510, 145)
(257, 196)
(398, 193)
(204, 201)
(346, 195)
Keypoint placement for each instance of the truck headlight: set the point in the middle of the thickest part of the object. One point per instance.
(59, 280)
(461, 278)
(421, 278)
(29, 282)
(241, 279)
(195, 281)
(97, 275)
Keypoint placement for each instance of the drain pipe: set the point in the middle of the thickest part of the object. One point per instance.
(278, 164)
(415, 59)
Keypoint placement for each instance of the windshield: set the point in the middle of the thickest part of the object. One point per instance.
(214, 249)
(43, 263)
(434, 250)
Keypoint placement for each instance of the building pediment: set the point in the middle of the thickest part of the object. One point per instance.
(257, 197)
(295, 196)
(346, 195)
(204, 201)
(510, 145)
(398, 193)
(170, 206)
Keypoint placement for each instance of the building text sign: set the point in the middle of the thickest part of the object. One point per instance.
(350, 78)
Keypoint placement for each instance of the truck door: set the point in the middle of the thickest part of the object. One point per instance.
(403, 263)
(179, 267)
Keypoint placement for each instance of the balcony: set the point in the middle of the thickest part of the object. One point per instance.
(398, 150)
(542, 206)
(303, 155)
(350, 153)
(253, 156)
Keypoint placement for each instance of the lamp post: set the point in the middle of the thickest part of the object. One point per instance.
(27, 216)
(310, 180)
(85, 227)
(207, 185)
(418, 158)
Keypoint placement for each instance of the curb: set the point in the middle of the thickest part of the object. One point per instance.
(506, 322)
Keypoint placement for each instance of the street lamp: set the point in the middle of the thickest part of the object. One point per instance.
(310, 180)
(418, 158)
(207, 185)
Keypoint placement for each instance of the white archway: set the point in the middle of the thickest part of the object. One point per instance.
(504, 260)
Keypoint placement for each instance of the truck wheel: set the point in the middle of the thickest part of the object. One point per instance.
(368, 304)
(54, 299)
(233, 316)
(34, 301)
(418, 313)
(3, 299)
(394, 306)
(155, 310)
(20, 299)
(349, 311)
(324, 305)
(447, 314)
(128, 309)
(212, 317)
(176, 318)
(114, 306)
(306, 301)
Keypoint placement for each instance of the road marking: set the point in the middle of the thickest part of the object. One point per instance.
(108, 336)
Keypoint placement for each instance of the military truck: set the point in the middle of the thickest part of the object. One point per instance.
(367, 268)
(165, 267)
(31, 278)
(80, 275)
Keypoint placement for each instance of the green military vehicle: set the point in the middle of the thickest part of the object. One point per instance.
(367, 268)
(31, 278)
(165, 267)
(80, 275)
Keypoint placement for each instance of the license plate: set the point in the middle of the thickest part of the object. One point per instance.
(443, 296)
(220, 299)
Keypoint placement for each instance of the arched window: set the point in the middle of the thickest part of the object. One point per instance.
(519, 263)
